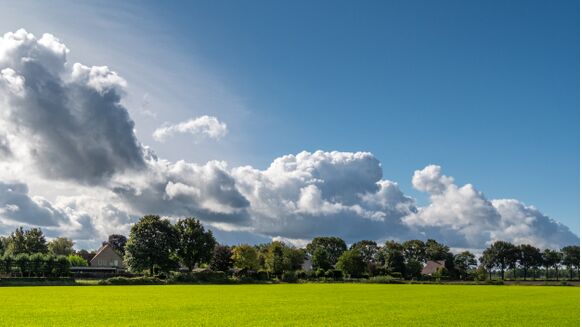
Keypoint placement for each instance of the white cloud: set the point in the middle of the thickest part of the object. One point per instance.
(205, 126)
(67, 127)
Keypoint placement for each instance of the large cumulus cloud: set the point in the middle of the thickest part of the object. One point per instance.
(466, 218)
(66, 124)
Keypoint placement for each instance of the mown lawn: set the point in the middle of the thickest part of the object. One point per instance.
(286, 304)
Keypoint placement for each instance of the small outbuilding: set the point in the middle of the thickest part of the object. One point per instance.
(432, 267)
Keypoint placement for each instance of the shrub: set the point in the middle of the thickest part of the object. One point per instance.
(334, 273)
(289, 277)
(262, 275)
(381, 280)
(132, 281)
(77, 261)
(319, 273)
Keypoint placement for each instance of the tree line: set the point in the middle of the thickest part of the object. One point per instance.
(156, 246)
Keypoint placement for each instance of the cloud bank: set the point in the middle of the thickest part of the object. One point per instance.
(65, 126)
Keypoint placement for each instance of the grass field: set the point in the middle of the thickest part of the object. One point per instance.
(287, 304)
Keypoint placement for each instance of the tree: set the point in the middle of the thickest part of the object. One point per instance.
(274, 259)
(487, 261)
(320, 259)
(464, 262)
(22, 261)
(293, 258)
(77, 261)
(152, 242)
(34, 241)
(413, 268)
(414, 250)
(502, 253)
(61, 246)
(529, 257)
(195, 245)
(15, 242)
(392, 258)
(221, 258)
(36, 262)
(368, 250)
(7, 262)
(351, 263)
(551, 259)
(333, 246)
(245, 257)
(571, 258)
(436, 251)
(117, 242)
(62, 266)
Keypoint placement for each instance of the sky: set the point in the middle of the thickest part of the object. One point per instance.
(387, 99)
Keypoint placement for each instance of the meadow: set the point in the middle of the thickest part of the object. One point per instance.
(290, 304)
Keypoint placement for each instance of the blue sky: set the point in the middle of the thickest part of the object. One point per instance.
(489, 91)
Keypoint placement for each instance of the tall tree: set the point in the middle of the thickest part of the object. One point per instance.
(571, 258)
(221, 258)
(414, 250)
(274, 260)
(368, 250)
(529, 257)
(195, 245)
(551, 259)
(35, 241)
(117, 242)
(61, 246)
(333, 246)
(392, 258)
(502, 253)
(245, 257)
(152, 243)
(464, 262)
(15, 242)
(351, 263)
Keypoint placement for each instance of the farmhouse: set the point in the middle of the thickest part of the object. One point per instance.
(431, 267)
(106, 262)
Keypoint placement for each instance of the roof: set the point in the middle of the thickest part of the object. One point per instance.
(105, 248)
(431, 267)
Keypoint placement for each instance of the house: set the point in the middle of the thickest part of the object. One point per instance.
(107, 257)
(432, 267)
(105, 263)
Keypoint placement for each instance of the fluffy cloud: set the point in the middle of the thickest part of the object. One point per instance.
(206, 126)
(466, 218)
(66, 125)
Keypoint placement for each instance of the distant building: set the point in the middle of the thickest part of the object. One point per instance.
(107, 257)
(105, 263)
(432, 267)
(307, 264)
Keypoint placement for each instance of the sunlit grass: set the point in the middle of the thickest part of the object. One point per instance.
(286, 304)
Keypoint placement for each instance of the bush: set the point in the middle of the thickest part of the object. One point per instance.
(200, 276)
(320, 273)
(262, 275)
(131, 281)
(335, 274)
(381, 280)
(289, 277)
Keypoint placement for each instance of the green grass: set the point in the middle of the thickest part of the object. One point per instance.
(287, 304)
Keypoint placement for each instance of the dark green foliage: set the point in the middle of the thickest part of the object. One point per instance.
(36, 263)
(551, 259)
(414, 250)
(195, 244)
(351, 263)
(289, 277)
(152, 242)
(22, 261)
(274, 261)
(571, 258)
(392, 259)
(117, 242)
(62, 266)
(368, 250)
(221, 258)
(464, 263)
(413, 269)
(529, 257)
(334, 274)
(502, 254)
(132, 281)
(29, 241)
(333, 246)
(320, 259)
